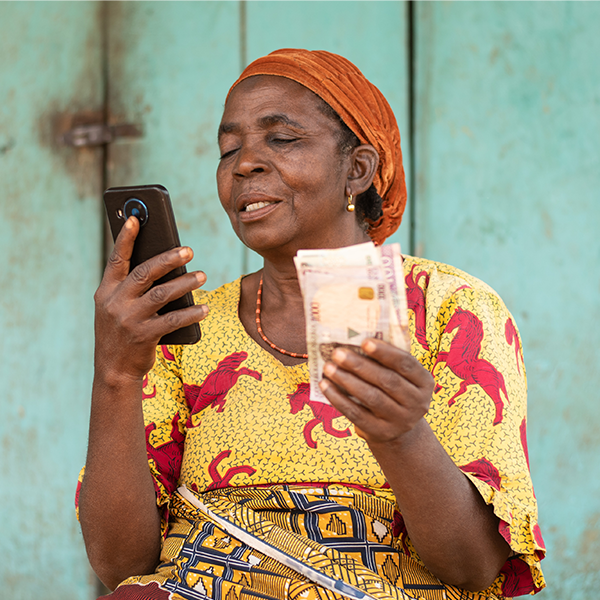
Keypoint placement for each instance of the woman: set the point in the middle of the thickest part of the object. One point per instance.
(421, 489)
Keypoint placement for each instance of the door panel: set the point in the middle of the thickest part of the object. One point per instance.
(508, 123)
(373, 35)
(50, 239)
(177, 94)
(170, 66)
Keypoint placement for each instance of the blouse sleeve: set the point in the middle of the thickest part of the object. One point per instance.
(464, 334)
(165, 417)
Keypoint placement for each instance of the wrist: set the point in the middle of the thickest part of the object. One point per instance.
(402, 443)
(115, 369)
(116, 380)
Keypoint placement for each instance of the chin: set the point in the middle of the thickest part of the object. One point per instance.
(264, 239)
(271, 247)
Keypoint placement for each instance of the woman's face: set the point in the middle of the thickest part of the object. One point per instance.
(281, 177)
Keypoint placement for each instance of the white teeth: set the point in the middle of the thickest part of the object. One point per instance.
(257, 205)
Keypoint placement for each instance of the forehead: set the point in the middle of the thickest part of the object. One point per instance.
(262, 96)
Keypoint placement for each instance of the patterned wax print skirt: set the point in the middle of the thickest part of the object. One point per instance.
(285, 543)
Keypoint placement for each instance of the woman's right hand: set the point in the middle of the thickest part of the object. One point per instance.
(117, 501)
(127, 326)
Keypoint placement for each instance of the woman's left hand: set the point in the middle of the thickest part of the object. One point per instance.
(391, 390)
(453, 530)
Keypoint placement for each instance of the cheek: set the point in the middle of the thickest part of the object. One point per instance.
(321, 181)
(224, 188)
(312, 175)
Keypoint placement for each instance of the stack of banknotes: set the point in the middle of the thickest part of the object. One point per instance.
(351, 294)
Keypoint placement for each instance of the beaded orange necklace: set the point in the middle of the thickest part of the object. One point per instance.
(260, 331)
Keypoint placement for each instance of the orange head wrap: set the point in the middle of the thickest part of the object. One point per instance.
(363, 109)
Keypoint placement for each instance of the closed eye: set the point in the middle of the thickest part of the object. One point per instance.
(227, 154)
(283, 140)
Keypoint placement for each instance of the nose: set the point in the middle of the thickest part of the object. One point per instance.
(250, 159)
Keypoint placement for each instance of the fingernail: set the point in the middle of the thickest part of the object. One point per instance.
(323, 384)
(129, 223)
(185, 252)
(339, 355)
(369, 346)
(329, 369)
(200, 277)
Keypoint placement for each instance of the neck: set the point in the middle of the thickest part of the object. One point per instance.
(282, 307)
(280, 259)
(281, 282)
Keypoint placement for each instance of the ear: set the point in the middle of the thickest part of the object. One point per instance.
(364, 161)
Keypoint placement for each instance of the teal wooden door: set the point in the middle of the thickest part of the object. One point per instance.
(506, 105)
(508, 173)
(177, 94)
(166, 67)
(51, 241)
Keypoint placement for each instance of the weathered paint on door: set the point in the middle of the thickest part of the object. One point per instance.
(50, 243)
(507, 123)
(177, 94)
(508, 180)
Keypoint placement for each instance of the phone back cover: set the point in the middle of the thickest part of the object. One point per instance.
(157, 235)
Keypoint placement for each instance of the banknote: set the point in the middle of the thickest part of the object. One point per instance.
(359, 256)
(350, 294)
(391, 258)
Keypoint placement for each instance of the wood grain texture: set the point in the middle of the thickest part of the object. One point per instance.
(50, 240)
(170, 66)
(508, 123)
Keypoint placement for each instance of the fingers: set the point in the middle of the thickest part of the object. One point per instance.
(127, 322)
(157, 297)
(387, 368)
(351, 409)
(117, 267)
(143, 276)
(384, 394)
(135, 320)
(162, 324)
(398, 361)
(374, 428)
(370, 396)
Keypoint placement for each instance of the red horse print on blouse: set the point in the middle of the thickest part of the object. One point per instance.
(217, 384)
(484, 470)
(322, 413)
(167, 456)
(523, 432)
(463, 360)
(221, 481)
(510, 332)
(167, 354)
(415, 297)
(144, 384)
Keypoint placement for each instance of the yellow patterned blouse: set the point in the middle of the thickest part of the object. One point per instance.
(225, 414)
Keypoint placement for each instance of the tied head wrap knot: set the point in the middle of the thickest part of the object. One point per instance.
(363, 109)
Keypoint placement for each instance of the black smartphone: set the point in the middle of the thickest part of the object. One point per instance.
(151, 205)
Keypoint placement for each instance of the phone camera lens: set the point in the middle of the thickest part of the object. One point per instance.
(136, 208)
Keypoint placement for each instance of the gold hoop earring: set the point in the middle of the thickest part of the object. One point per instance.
(350, 207)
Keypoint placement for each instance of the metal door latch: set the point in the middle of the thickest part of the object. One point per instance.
(97, 135)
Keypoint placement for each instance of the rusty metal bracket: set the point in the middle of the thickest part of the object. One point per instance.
(99, 134)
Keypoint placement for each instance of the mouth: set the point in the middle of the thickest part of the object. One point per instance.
(256, 206)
